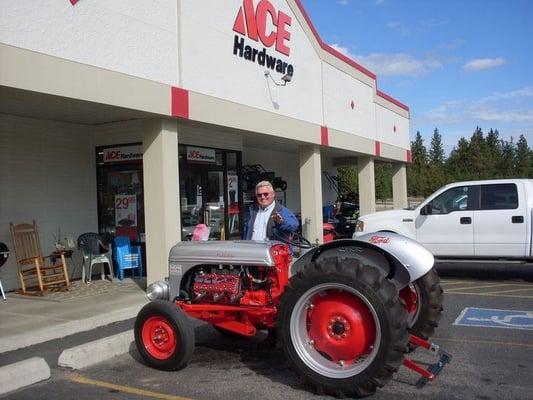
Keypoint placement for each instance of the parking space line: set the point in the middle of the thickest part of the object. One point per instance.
(479, 287)
(511, 290)
(492, 295)
(124, 389)
(479, 341)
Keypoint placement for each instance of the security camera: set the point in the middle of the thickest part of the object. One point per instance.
(286, 78)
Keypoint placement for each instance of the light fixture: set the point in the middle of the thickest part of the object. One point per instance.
(285, 78)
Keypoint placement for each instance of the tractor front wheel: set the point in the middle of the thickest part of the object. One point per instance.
(342, 327)
(164, 337)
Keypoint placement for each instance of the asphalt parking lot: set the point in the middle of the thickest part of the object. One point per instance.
(492, 355)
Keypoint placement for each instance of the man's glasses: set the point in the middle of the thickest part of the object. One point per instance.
(259, 195)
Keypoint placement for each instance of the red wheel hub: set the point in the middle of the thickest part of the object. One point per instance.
(159, 338)
(410, 298)
(341, 326)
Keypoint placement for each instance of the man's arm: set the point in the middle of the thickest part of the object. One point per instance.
(289, 222)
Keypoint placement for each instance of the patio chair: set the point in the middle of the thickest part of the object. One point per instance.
(127, 256)
(33, 271)
(94, 251)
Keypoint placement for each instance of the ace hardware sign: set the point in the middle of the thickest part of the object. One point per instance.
(266, 25)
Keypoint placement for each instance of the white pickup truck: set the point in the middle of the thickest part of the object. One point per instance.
(489, 219)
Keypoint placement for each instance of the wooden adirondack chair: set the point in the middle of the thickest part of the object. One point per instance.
(33, 271)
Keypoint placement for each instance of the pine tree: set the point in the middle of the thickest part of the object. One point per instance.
(506, 165)
(478, 151)
(417, 169)
(522, 161)
(436, 151)
(494, 154)
(459, 161)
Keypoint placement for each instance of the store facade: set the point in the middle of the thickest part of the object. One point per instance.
(153, 131)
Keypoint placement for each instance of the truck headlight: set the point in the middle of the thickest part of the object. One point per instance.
(157, 291)
(359, 226)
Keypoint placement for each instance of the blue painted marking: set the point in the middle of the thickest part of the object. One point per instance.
(489, 318)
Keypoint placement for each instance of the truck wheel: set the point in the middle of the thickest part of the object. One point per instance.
(423, 300)
(342, 327)
(164, 337)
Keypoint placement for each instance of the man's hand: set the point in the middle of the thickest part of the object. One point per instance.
(278, 219)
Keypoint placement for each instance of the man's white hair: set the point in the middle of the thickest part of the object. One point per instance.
(264, 184)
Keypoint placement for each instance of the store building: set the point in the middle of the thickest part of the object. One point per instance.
(142, 117)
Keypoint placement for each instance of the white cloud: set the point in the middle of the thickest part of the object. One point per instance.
(398, 64)
(343, 2)
(343, 50)
(511, 107)
(479, 64)
(379, 2)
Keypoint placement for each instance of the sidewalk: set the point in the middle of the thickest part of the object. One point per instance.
(29, 320)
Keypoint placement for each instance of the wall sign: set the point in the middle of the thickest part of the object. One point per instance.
(201, 155)
(267, 25)
(122, 154)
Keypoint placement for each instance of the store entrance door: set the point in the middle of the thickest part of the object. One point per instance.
(210, 191)
(203, 202)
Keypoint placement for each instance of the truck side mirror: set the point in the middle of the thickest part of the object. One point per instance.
(426, 210)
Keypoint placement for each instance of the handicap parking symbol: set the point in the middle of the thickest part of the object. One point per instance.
(491, 318)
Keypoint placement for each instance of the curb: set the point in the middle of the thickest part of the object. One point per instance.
(15, 342)
(23, 373)
(91, 353)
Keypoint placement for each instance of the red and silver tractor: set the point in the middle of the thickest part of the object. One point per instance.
(345, 313)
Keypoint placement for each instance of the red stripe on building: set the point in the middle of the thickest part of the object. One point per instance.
(392, 100)
(378, 149)
(409, 156)
(324, 136)
(179, 102)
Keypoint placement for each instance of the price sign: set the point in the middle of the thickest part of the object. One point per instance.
(125, 210)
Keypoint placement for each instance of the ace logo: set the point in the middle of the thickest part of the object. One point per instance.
(264, 23)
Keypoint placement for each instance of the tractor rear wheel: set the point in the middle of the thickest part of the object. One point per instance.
(164, 337)
(423, 300)
(342, 327)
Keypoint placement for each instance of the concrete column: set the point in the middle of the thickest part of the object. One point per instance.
(367, 185)
(161, 194)
(399, 186)
(311, 193)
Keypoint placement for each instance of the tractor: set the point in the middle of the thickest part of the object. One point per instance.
(346, 314)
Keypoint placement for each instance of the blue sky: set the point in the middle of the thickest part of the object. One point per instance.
(456, 64)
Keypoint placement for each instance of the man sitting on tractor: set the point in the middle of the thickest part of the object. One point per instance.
(268, 219)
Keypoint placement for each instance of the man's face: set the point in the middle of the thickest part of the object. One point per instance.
(264, 196)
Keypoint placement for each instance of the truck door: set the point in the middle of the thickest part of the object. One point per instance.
(445, 227)
(500, 221)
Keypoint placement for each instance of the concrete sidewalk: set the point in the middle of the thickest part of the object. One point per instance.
(25, 321)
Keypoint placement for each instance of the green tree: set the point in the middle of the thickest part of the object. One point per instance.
(478, 154)
(459, 161)
(522, 158)
(494, 154)
(506, 164)
(417, 169)
(436, 151)
(383, 180)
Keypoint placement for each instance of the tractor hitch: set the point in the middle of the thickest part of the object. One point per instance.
(431, 372)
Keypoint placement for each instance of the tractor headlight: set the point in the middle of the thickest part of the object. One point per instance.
(157, 291)
(359, 226)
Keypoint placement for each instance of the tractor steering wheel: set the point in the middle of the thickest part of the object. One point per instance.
(294, 239)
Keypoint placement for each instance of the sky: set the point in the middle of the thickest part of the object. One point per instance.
(456, 64)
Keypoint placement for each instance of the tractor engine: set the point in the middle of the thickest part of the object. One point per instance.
(227, 284)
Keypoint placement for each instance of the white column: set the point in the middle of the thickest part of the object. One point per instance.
(399, 186)
(161, 194)
(367, 185)
(311, 193)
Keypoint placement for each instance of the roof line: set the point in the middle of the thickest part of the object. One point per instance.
(345, 58)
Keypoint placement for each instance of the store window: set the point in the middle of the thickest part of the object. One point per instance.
(120, 191)
(209, 190)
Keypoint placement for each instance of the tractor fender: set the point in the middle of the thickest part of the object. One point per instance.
(401, 259)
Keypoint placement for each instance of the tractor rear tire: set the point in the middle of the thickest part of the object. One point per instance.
(163, 335)
(423, 299)
(342, 327)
